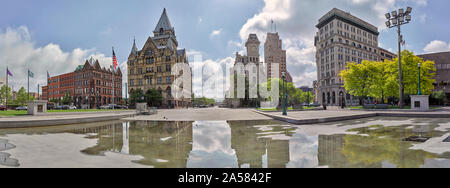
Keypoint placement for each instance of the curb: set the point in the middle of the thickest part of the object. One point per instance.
(350, 117)
(67, 121)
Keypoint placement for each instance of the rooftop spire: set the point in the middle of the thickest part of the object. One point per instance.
(134, 50)
(164, 22)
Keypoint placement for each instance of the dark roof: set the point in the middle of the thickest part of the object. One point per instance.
(348, 18)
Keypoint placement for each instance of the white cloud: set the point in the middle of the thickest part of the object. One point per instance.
(296, 20)
(19, 52)
(215, 33)
(437, 46)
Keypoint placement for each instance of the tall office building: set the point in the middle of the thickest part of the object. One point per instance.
(274, 53)
(343, 38)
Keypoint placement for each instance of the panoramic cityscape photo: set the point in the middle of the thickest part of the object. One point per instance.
(217, 84)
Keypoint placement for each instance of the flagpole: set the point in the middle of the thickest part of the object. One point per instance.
(113, 80)
(7, 88)
(28, 85)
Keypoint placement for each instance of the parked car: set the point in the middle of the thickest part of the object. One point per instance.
(21, 108)
(72, 108)
(115, 106)
(2, 107)
(104, 107)
(65, 107)
(51, 106)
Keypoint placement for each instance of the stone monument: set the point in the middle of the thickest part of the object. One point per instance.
(420, 102)
(37, 107)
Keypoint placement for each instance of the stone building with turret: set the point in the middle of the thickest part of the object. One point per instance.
(151, 67)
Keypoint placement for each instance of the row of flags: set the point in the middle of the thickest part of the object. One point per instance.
(30, 74)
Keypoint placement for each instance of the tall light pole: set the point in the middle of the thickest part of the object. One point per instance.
(396, 20)
(420, 88)
(284, 94)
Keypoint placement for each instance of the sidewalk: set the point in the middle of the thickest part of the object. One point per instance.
(313, 117)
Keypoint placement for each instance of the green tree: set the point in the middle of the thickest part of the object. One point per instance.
(294, 95)
(410, 75)
(137, 96)
(439, 97)
(203, 101)
(153, 97)
(4, 92)
(67, 99)
(22, 97)
(380, 79)
(356, 78)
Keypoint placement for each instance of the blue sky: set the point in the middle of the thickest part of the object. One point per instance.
(56, 35)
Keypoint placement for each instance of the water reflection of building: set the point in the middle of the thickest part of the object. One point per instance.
(161, 144)
(253, 151)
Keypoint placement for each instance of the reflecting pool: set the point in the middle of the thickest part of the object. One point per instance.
(365, 143)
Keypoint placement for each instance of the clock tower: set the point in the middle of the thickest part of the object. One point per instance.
(252, 46)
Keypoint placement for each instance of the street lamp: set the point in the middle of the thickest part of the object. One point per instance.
(396, 20)
(284, 94)
(420, 89)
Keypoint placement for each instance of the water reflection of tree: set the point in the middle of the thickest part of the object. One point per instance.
(162, 144)
(384, 144)
(250, 147)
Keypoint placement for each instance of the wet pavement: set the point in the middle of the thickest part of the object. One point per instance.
(364, 143)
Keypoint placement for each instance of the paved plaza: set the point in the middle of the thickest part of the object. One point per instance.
(202, 114)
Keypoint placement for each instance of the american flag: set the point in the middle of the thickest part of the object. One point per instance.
(114, 60)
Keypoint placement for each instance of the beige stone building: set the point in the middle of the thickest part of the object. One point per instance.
(274, 53)
(252, 46)
(343, 38)
(151, 67)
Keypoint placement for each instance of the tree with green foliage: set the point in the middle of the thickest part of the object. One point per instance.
(203, 101)
(22, 97)
(56, 101)
(380, 79)
(4, 92)
(153, 97)
(439, 98)
(294, 95)
(410, 75)
(67, 99)
(137, 96)
(356, 79)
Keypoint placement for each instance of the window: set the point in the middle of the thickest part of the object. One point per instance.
(159, 80)
(150, 81)
(159, 69)
(168, 79)
(168, 68)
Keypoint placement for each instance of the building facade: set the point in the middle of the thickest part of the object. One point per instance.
(342, 38)
(252, 48)
(151, 67)
(44, 95)
(58, 86)
(274, 53)
(442, 63)
(93, 86)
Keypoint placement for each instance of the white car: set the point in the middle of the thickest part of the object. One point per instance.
(72, 107)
